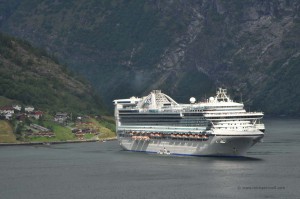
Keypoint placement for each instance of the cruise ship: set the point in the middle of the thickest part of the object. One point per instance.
(156, 123)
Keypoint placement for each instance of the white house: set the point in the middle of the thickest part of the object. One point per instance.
(7, 112)
(17, 107)
(61, 117)
(8, 116)
(36, 114)
(7, 109)
(29, 109)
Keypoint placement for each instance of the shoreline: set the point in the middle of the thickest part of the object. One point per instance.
(57, 142)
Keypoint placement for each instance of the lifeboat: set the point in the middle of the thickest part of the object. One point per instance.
(146, 138)
(191, 136)
(157, 135)
(139, 137)
(134, 137)
(164, 152)
(197, 137)
(205, 137)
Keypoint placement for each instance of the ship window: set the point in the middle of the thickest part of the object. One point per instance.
(123, 102)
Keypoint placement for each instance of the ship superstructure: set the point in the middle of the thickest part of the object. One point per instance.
(157, 123)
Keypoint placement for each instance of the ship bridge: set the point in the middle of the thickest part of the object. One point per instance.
(155, 100)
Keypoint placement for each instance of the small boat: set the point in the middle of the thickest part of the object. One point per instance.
(164, 151)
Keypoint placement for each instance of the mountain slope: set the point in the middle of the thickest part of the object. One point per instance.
(32, 77)
(183, 47)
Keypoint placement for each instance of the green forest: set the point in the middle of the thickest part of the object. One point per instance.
(32, 77)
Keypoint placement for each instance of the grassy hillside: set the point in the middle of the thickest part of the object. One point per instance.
(6, 132)
(5, 101)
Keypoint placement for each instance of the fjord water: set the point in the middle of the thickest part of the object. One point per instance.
(102, 170)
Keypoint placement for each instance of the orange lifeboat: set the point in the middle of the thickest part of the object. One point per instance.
(205, 137)
(184, 136)
(197, 136)
(146, 138)
(157, 135)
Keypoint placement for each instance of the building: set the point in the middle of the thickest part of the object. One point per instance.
(61, 117)
(29, 109)
(17, 107)
(36, 114)
(7, 112)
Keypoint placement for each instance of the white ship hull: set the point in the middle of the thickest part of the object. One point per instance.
(214, 146)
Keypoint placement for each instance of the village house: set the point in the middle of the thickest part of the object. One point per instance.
(61, 117)
(7, 112)
(29, 109)
(17, 107)
(41, 131)
(20, 116)
(36, 114)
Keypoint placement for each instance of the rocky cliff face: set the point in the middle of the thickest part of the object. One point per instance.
(251, 47)
(183, 47)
